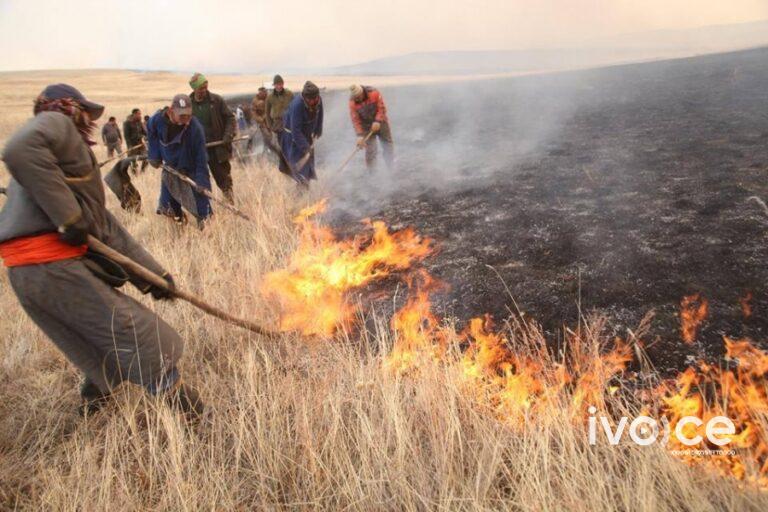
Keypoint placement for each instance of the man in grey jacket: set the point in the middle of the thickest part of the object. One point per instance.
(55, 200)
(111, 137)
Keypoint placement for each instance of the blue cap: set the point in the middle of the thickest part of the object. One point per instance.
(59, 91)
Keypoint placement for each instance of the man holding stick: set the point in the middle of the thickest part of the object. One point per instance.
(177, 139)
(55, 204)
(303, 123)
(369, 119)
(219, 124)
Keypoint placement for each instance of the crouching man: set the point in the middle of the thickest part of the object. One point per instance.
(55, 200)
(177, 139)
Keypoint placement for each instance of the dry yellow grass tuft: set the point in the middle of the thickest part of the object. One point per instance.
(296, 425)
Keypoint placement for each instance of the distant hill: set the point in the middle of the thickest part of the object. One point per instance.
(628, 48)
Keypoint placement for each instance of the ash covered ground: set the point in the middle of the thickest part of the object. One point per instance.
(622, 189)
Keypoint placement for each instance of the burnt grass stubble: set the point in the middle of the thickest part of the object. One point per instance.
(621, 189)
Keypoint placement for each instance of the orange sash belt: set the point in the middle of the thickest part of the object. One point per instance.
(33, 250)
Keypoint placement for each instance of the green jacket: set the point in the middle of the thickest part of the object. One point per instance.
(222, 125)
(277, 104)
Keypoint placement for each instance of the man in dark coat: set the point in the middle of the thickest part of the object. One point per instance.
(219, 124)
(177, 139)
(55, 200)
(303, 123)
(134, 132)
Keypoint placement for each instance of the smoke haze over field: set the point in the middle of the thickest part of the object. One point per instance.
(240, 35)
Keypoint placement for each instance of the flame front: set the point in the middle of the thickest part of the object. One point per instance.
(738, 394)
(515, 376)
(312, 290)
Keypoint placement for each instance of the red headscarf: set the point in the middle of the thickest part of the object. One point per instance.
(72, 109)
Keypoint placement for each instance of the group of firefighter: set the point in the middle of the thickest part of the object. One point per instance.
(196, 135)
(55, 205)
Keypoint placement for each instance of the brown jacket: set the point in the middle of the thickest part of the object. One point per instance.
(277, 104)
(56, 182)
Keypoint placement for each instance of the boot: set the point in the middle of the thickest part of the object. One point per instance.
(229, 196)
(93, 398)
(186, 400)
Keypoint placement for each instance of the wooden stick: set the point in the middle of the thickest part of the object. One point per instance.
(137, 146)
(155, 280)
(201, 190)
(105, 162)
(351, 156)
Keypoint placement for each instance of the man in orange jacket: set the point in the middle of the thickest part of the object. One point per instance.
(369, 116)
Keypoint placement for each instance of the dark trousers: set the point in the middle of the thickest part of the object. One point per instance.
(387, 146)
(112, 148)
(222, 175)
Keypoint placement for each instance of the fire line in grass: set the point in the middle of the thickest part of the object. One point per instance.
(511, 373)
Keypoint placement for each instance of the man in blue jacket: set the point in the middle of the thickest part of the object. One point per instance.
(303, 124)
(177, 139)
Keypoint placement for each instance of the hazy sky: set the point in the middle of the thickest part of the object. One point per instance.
(256, 35)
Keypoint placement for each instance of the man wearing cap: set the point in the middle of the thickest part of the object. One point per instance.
(369, 116)
(277, 104)
(219, 124)
(111, 136)
(55, 201)
(303, 123)
(135, 131)
(177, 139)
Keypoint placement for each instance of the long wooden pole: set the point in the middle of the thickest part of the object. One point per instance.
(206, 193)
(137, 146)
(154, 279)
(105, 162)
(352, 155)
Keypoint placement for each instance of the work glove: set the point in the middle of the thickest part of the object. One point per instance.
(375, 127)
(161, 293)
(155, 163)
(361, 142)
(74, 234)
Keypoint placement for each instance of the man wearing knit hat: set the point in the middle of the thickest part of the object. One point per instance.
(303, 124)
(369, 115)
(219, 124)
(277, 103)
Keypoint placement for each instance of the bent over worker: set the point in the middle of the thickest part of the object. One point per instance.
(177, 140)
(55, 200)
(369, 115)
(302, 124)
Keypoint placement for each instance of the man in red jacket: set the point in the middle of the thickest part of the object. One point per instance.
(369, 116)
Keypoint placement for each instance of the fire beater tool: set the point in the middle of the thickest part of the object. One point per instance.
(154, 279)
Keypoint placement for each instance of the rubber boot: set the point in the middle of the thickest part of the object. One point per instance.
(93, 398)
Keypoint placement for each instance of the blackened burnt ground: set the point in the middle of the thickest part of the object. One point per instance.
(624, 188)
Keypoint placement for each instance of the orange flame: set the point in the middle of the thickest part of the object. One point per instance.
(746, 305)
(417, 329)
(693, 311)
(312, 289)
(739, 394)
